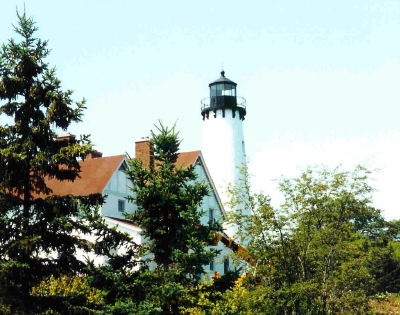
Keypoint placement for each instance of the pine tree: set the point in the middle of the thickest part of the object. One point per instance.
(39, 233)
(168, 199)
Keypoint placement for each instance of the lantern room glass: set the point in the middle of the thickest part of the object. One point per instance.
(223, 90)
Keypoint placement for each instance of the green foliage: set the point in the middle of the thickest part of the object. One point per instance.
(40, 233)
(237, 300)
(168, 200)
(70, 295)
(324, 250)
(385, 303)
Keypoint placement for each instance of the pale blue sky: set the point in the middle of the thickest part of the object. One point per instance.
(321, 78)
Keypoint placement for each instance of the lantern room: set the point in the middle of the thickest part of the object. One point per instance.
(223, 87)
(223, 96)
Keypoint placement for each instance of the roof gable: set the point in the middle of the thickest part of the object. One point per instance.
(94, 176)
(186, 159)
(97, 172)
(200, 161)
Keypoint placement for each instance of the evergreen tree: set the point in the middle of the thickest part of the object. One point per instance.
(40, 233)
(168, 199)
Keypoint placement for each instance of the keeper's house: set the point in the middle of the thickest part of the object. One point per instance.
(106, 175)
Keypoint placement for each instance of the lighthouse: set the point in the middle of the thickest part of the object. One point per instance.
(223, 145)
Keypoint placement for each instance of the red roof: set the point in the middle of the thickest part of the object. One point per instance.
(96, 172)
(94, 176)
(187, 158)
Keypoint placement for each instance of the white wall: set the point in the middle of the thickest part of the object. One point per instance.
(224, 153)
(211, 202)
(82, 256)
(133, 231)
(117, 189)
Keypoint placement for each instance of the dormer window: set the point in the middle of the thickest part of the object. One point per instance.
(211, 217)
(226, 265)
(121, 205)
(212, 263)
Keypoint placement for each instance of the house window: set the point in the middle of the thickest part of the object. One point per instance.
(226, 265)
(211, 217)
(212, 264)
(121, 205)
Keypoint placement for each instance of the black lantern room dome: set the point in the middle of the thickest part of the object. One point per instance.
(223, 96)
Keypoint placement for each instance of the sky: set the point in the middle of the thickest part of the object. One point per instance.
(321, 78)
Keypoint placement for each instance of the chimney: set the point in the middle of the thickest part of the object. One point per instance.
(143, 151)
(94, 155)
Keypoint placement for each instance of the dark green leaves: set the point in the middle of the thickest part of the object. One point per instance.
(41, 234)
(169, 199)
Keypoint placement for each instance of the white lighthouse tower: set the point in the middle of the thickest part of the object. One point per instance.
(222, 137)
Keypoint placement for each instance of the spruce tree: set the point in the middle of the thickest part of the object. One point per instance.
(168, 199)
(39, 232)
